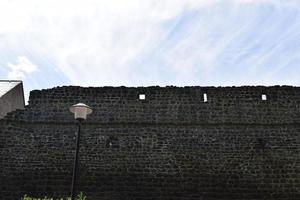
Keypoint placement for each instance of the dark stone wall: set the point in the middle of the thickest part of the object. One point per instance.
(171, 145)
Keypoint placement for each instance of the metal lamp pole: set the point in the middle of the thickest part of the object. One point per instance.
(75, 161)
(80, 111)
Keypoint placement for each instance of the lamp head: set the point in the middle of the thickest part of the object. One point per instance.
(80, 111)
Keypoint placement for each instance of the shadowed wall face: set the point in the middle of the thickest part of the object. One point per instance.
(11, 97)
(169, 145)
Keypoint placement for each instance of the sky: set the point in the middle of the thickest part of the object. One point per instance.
(53, 43)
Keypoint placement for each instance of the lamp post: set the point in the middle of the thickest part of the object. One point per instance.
(80, 111)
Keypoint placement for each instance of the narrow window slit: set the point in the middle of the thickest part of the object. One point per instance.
(264, 97)
(204, 97)
(142, 96)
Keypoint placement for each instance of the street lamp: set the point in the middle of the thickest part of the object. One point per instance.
(80, 111)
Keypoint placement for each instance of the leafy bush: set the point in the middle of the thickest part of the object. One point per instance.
(80, 196)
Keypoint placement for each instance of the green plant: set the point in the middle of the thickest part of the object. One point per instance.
(80, 196)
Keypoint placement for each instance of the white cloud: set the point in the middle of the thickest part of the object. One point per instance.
(91, 41)
(22, 68)
(97, 42)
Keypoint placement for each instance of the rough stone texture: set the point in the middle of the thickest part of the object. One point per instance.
(171, 145)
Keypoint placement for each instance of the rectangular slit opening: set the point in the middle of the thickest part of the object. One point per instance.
(142, 96)
(204, 97)
(264, 97)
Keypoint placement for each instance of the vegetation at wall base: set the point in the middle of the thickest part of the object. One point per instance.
(80, 196)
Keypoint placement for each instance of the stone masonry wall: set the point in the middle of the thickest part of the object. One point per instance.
(172, 145)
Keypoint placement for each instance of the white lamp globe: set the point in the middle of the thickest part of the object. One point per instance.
(80, 111)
